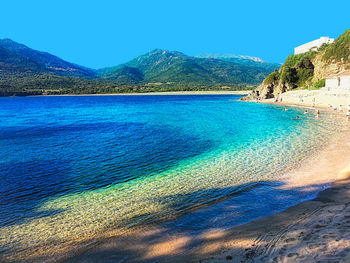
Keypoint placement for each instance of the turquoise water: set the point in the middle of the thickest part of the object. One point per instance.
(75, 167)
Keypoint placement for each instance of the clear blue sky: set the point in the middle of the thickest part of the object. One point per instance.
(106, 33)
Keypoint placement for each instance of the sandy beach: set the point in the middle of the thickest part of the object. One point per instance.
(211, 92)
(312, 231)
(316, 98)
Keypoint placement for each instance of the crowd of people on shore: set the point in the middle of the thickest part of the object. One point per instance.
(340, 108)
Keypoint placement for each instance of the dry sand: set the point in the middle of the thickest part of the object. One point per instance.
(208, 92)
(319, 98)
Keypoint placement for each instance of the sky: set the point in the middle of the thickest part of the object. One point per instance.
(105, 33)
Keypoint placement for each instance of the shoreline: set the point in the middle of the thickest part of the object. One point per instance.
(235, 92)
(243, 242)
(315, 230)
(264, 239)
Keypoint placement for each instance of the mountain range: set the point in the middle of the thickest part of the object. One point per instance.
(24, 70)
(243, 60)
(16, 57)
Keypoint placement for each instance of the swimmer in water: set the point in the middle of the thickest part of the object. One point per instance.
(305, 112)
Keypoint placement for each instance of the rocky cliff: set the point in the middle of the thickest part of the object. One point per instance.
(307, 70)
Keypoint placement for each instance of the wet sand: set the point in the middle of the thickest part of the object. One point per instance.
(313, 231)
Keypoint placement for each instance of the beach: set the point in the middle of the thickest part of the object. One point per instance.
(315, 230)
(322, 98)
(87, 226)
(208, 92)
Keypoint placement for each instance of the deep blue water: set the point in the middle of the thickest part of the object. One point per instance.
(91, 163)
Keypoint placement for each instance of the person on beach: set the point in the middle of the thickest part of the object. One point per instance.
(313, 102)
(340, 107)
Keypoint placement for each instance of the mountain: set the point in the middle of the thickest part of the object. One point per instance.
(307, 70)
(243, 60)
(11, 63)
(21, 58)
(25, 71)
(173, 66)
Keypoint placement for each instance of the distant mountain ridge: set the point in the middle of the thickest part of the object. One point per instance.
(33, 60)
(27, 71)
(228, 56)
(174, 66)
(243, 60)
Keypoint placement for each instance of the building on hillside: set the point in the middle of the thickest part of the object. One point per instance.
(339, 81)
(313, 45)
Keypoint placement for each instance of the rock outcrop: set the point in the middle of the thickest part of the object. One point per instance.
(306, 70)
(323, 68)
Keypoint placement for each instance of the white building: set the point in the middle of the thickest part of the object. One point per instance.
(313, 45)
(339, 81)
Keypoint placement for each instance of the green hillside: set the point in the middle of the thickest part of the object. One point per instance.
(22, 56)
(339, 50)
(25, 71)
(172, 66)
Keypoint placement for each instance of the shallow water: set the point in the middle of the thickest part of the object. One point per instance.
(76, 167)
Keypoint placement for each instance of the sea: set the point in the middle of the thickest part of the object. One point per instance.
(76, 167)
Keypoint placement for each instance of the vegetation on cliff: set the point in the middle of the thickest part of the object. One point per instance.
(339, 50)
(296, 71)
(307, 70)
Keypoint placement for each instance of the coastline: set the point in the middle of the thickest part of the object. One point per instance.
(322, 99)
(298, 233)
(155, 244)
(234, 92)
(315, 230)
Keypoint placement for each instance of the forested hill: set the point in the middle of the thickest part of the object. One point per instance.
(24, 59)
(25, 71)
(173, 66)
